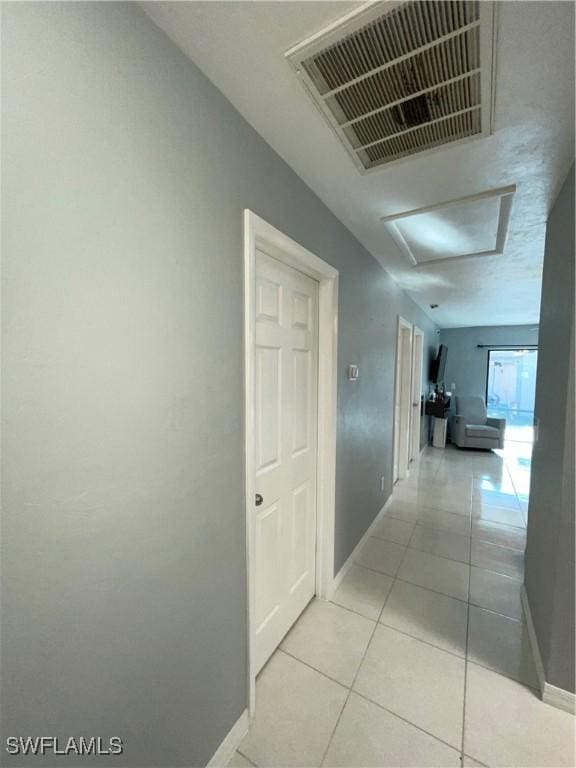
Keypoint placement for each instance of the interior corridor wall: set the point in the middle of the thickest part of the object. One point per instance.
(125, 174)
(550, 556)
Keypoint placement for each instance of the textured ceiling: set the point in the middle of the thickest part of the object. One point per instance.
(240, 46)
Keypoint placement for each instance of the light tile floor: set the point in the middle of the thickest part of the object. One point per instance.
(422, 657)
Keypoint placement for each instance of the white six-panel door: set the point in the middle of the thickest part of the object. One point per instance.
(417, 363)
(286, 425)
(402, 400)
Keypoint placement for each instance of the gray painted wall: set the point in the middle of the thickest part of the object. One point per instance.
(550, 555)
(125, 174)
(466, 365)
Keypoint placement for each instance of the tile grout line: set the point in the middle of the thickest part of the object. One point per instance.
(466, 660)
(437, 509)
(379, 622)
(523, 512)
(412, 583)
(382, 623)
(373, 570)
(497, 573)
(247, 758)
(366, 698)
(407, 546)
(425, 524)
(530, 687)
(499, 546)
(357, 613)
(514, 486)
(350, 689)
(432, 524)
(404, 719)
(330, 740)
(421, 640)
(444, 557)
(313, 668)
(397, 571)
(443, 594)
(468, 606)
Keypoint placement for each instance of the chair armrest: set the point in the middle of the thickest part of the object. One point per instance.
(459, 429)
(500, 425)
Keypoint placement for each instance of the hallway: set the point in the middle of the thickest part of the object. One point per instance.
(422, 658)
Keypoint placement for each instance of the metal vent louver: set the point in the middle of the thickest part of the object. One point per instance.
(397, 79)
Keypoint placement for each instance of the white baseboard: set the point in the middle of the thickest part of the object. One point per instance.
(556, 697)
(533, 639)
(559, 698)
(231, 742)
(350, 561)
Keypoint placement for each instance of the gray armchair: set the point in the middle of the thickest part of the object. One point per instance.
(471, 427)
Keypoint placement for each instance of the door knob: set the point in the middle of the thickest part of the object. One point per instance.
(259, 499)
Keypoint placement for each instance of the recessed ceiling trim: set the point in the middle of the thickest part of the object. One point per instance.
(498, 192)
(403, 245)
(505, 195)
(394, 62)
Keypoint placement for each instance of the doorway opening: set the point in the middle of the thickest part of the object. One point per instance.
(402, 400)
(511, 390)
(416, 403)
(510, 395)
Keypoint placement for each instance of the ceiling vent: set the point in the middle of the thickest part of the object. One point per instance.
(399, 79)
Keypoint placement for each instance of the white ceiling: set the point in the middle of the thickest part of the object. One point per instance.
(240, 46)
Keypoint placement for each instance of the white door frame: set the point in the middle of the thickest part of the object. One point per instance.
(402, 400)
(259, 234)
(416, 381)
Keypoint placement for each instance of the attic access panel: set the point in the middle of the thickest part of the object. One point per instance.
(464, 228)
(396, 79)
